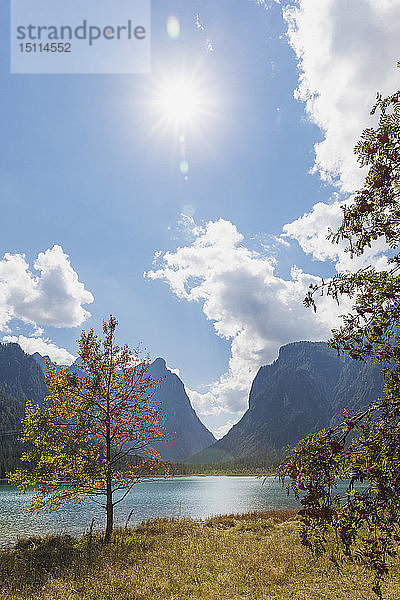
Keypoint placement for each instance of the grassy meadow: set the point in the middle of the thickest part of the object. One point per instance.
(233, 557)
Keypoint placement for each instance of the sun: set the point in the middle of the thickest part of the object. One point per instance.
(180, 102)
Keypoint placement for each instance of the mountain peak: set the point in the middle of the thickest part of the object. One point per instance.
(187, 433)
(160, 363)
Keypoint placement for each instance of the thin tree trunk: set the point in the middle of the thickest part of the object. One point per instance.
(109, 502)
(110, 512)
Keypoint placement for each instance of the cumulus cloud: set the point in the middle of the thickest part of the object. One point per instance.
(205, 404)
(219, 432)
(347, 52)
(53, 296)
(247, 303)
(174, 371)
(311, 231)
(45, 347)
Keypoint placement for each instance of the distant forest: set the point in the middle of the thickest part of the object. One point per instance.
(234, 467)
(11, 415)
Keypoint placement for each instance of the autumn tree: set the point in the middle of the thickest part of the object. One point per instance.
(93, 436)
(364, 451)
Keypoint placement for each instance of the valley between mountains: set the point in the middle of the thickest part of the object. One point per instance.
(308, 387)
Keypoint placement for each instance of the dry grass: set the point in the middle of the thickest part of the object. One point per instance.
(255, 556)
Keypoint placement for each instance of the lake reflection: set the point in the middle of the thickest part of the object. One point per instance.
(196, 497)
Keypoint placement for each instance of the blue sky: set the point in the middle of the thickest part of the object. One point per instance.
(87, 167)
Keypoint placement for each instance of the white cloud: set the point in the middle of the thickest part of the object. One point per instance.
(347, 52)
(311, 230)
(223, 429)
(205, 404)
(267, 3)
(53, 296)
(45, 347)
(174, 371)
(248, 304)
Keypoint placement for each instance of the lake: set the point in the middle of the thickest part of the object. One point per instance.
(196, 497)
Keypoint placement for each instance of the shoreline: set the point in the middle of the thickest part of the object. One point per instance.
(227, 475)
(5, 481)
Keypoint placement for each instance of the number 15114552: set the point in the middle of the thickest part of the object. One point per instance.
(53, 47)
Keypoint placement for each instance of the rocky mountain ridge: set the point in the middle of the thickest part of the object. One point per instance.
(305, 389)
(22, 379)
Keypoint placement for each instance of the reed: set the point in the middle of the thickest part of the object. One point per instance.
(254, 556)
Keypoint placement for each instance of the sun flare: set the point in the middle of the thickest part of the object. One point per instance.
(183, 104)
(180, 102)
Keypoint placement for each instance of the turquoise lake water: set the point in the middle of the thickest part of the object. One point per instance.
(196, 497)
